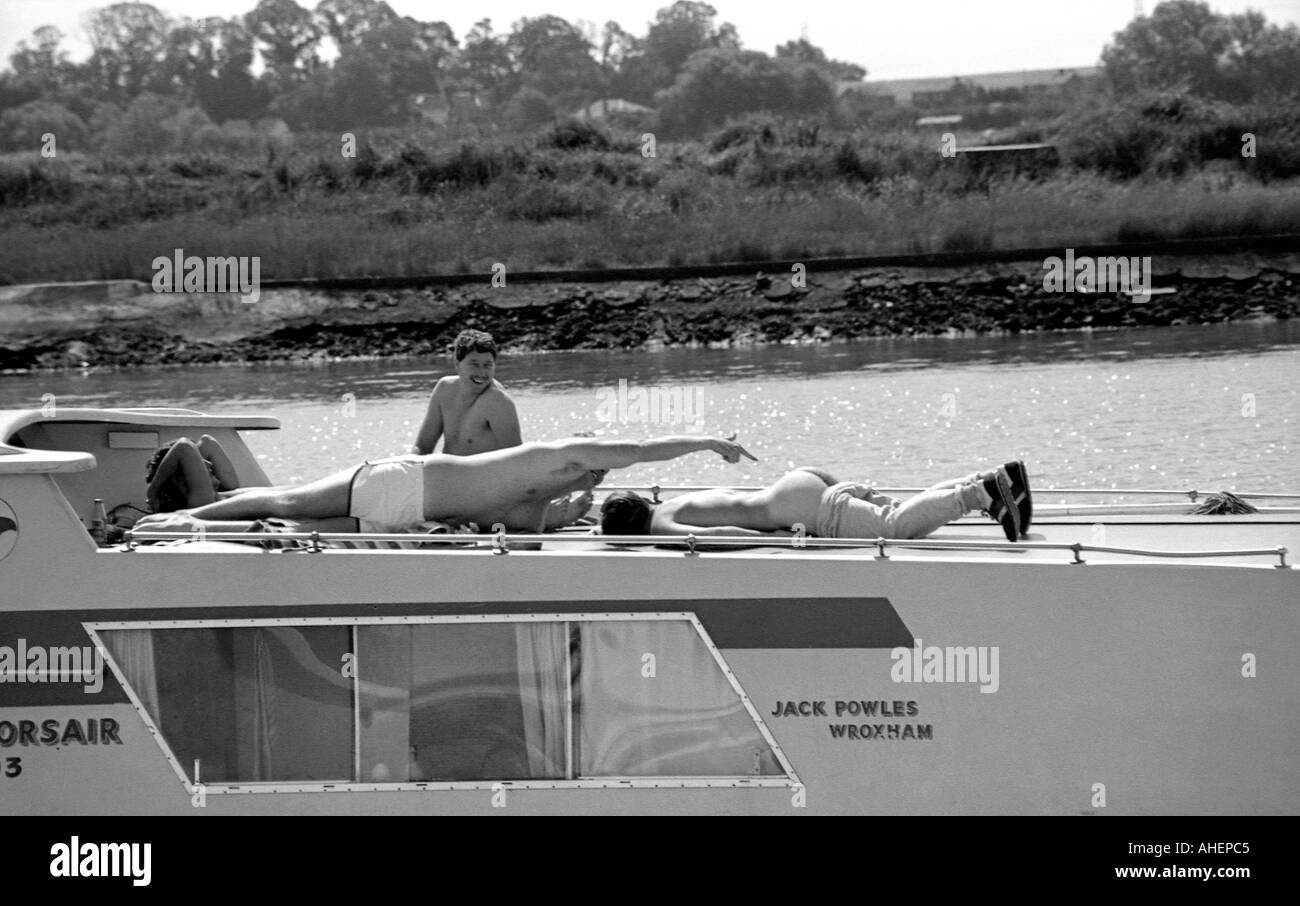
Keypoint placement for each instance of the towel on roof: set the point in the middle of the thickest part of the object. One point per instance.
(428, 527)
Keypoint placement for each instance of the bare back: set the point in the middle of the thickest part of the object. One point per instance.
(480, 488)
(794, 498)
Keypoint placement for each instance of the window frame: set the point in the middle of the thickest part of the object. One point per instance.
(787, 779)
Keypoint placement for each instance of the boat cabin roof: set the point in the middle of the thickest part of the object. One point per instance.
(93, 455)
(24, 455)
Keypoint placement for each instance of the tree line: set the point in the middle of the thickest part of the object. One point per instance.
(348, 64)
(356, 63)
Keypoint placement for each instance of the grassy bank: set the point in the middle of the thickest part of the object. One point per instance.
(581, 198)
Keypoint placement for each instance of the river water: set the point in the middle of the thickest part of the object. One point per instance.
(1205, 407)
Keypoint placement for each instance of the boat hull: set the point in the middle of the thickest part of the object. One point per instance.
(1130, 689)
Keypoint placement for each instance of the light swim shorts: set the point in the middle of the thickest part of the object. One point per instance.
(388, 494)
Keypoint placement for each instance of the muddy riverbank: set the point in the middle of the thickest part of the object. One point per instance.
(124, 323)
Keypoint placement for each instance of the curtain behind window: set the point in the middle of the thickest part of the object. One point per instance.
(543, 693)
(684, 720)
(132, 651)
(293, 705)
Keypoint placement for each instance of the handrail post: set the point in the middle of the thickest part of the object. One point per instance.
(314, 544)
(1281, 555)
(1077, 548)
(129, 537)
(690, 546)
(880, 549)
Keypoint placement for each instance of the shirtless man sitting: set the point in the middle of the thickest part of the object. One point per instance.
(402, 490)
(472, 414)
(470, 411)
(827, 508)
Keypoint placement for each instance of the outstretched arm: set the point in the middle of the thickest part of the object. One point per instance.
(597, 455)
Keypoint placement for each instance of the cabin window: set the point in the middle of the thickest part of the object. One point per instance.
(443, 700)
(256, 704)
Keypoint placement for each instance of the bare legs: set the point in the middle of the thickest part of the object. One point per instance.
(321, 499)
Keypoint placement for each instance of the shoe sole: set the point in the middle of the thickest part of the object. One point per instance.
(1003, 509)
(1020, 493)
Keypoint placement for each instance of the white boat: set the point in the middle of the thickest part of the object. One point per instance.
(1132, 659)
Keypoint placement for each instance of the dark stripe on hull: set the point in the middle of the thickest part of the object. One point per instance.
(775, 623)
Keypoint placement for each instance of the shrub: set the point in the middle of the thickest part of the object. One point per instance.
(198, 166)
(33, 183)
(22, 128)
(325, 173)
(365, 166)
(529, 109)
(572, 135)
(751, 129)
(543, 200)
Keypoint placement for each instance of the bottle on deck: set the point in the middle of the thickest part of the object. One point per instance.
(99, 523)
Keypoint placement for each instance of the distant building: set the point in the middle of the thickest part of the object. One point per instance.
(998, 86)
(952, 119)
(607, 107)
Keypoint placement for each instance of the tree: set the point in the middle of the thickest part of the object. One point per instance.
(210, 61)
(287, 37)
(615, 48)
(678, 32)
(129, 49)
(682, 30)
(1184, 45)
(347, 20)
(44, 67)
(486, 65)
(804, 51)
(414, 56)
(718, 84)
(1263, 60)
(230, 92)
(554, 57)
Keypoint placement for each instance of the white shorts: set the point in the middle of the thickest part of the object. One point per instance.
(388, 494)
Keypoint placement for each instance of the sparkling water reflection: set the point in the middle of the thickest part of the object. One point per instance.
(1206, 407)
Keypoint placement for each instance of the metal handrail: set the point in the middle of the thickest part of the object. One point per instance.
(1190, 493)
(500, 542)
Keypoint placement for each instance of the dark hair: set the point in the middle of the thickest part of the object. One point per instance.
(625, 513)
(468, 341)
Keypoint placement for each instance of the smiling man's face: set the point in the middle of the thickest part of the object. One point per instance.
(476, 371)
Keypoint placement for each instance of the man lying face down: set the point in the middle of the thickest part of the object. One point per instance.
(516, 486)
(826, 508)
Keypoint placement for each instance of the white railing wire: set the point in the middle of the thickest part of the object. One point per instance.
(500, 543)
